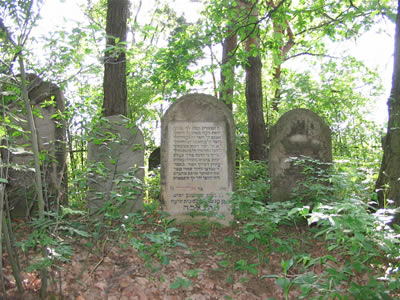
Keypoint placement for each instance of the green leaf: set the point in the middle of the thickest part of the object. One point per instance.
(250, 237)
(186, 283)
(193, 273)
(180, 244)
(74, 230)
(253, 271)
(331, 258)
(286, 265)
(284, 283)
(165, 260)
(175, 285)
(223, 263)
(181, 282)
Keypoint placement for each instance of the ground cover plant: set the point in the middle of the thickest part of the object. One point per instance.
(340, 248)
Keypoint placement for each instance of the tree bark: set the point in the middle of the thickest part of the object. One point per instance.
(283, 50)
(227, 69)
(254, 103)
(254, 98)
(114, 84)
(388, 182)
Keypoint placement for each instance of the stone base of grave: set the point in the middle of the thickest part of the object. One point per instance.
(187, 218)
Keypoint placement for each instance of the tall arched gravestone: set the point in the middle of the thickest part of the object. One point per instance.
(116, 160)
(47, 99)
(299, 132)
(197, 156)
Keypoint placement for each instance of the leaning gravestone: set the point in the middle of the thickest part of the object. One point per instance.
(197, 157)
(116, 160)
(299, 132)
(47, 99)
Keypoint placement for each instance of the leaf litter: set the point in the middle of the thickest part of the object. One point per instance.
(201, 267)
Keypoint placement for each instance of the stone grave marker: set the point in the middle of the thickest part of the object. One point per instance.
(51, 131)
(121, 151)
(197, 157)
(299, 132)
(154, 159)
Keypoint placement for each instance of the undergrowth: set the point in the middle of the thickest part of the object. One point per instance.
(363, 252)
(359, 257)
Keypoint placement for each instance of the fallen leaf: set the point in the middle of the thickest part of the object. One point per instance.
(125, 281)
(142, 281)
(101, 285)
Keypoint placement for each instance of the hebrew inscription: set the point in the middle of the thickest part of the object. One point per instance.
(197, 171)
(198, 165)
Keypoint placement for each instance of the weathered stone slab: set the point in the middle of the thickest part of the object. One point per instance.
(299, 132)
(116, 159)
(155, 159)
(48, 99)
(197, 157)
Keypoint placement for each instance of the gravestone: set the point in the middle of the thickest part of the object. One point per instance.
(47, 99)
(197, 157)
(116, 161)
(154, 159)
(299, 132)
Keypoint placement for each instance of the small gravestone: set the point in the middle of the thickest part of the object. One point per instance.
(299, 132)
(197, 157)
(48, 100)
(116, 161)
(154, 159)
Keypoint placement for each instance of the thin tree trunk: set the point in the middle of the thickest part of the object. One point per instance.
(212, 72)
(388, 182)
(38, 177)
(3, 182)
(12, 259)
(34, 138)
(280, 30)
(114, 84)
(6, 234)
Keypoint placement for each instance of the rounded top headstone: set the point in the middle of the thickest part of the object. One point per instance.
(298, 133)
(197, 157)
(198, 107)
(303, 132)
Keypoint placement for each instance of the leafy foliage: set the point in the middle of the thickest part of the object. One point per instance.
(342, 211)
(167, 57)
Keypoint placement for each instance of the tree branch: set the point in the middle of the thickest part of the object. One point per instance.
(8, 34)
(254, 24)
(310, 54)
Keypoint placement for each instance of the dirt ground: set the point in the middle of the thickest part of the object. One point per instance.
(202, 268)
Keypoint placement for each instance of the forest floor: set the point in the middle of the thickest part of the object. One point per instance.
(193, 261)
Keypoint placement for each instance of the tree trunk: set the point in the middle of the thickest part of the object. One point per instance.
(254, 103)
(114, 84)
(254, 99)
(388, 182)
(227, 69)
(281, 29)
